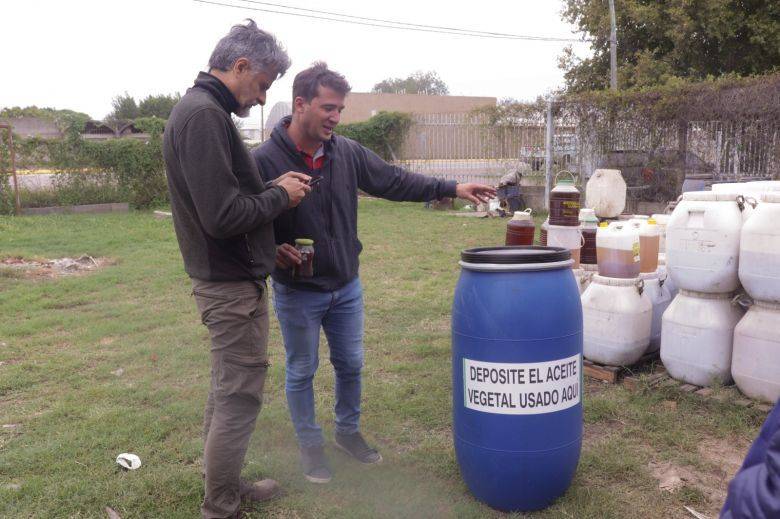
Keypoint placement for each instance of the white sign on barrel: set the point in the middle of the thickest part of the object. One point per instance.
(527, 388)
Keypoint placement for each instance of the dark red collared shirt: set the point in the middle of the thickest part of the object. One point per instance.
(313, 162)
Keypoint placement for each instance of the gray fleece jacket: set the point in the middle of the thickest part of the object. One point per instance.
(222, 211)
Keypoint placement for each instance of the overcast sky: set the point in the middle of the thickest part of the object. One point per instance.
(79, 54)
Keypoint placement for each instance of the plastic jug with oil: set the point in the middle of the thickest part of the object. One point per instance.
(617, 250)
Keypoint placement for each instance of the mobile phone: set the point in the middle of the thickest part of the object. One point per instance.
(314, 181)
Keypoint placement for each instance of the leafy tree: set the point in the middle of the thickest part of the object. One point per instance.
(662, 39)
(419, 82)
(158, 105)
(125, 109)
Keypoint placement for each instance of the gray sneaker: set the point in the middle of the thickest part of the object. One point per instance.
(354, 445)
(315, 466)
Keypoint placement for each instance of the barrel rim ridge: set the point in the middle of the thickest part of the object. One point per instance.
(495, 339)
(515, 255)
(540, 451)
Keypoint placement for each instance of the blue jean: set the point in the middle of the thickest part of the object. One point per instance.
(301, 313)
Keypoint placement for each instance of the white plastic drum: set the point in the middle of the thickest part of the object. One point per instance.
(617, 316)
(605, 192)
(697, 337)
(655, 288)
(759, 254)
(755, 364)
(702, 242)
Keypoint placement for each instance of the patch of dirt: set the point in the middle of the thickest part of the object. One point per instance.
(721, 460)
(600, 432)
(31, 269)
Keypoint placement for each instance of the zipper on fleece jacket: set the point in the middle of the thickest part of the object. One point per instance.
(249, 249)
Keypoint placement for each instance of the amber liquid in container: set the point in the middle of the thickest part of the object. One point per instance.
(520, 231)
(575, 255)
(617, 263)
(306, 268)
(543, 233)
(564, 209)
(648, 253)
(588, 255)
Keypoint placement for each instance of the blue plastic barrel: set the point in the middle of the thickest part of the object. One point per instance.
(517, 375)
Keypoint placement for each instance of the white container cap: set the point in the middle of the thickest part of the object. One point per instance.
(587, 212)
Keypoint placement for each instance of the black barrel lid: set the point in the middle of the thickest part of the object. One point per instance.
(515, 255)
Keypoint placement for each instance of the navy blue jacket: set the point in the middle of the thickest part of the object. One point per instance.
(328, 214)
(754, 492)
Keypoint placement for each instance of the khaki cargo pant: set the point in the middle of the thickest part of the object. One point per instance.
(236, 315)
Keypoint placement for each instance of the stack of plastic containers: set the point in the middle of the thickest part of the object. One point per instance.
(702, 256)
(563, 229)
(756, 357)
(617, 312)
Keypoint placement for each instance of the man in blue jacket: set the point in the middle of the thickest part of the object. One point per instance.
(754, 493)
(332, 299)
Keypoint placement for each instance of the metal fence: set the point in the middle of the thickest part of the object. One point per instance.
(654, 158)
(468, 148)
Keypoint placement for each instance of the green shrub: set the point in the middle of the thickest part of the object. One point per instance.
(384, 133)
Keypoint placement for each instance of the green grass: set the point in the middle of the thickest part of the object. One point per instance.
(61, 339)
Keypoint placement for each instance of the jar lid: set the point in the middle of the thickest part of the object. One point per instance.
(522, 215)
(517, 255)
(304, 242)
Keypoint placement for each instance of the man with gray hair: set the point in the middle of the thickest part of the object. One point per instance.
(223, 215)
